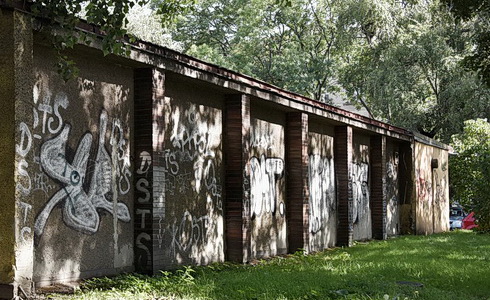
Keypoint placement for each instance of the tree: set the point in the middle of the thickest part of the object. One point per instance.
(401, 60)
(292, 46)
(477, 14)
(470, 169)
(407, 67)
(145, 24)
(61, 17)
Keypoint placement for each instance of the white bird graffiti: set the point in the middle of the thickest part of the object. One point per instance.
(80, 207)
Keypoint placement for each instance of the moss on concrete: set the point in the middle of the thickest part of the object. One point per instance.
(7, 147)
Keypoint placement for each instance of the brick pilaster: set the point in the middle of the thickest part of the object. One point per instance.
(343, 175)
(236, 135)
(406, 189)
(149, 205)
(297, 181)
(378, 186)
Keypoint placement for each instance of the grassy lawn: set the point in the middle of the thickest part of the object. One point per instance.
(453, 265)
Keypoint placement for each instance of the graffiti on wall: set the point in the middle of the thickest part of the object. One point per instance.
(439, 188)
(121, 161)
(424, 186)
(189, 170)
(142, 184)
(22, 149)
(189, 231)
(392, 205)
(322, 191)
(47, 119)
(360, 190)
(264, 173)
(143, 214)
(263, 140)
(392, 180)
(79, 206)
(78, 183)
(192, 146)
(26, 209)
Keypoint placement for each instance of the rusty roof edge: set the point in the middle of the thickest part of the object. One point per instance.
(430, 141)
(262, 85)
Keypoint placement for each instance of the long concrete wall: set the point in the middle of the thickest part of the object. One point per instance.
(156, 161)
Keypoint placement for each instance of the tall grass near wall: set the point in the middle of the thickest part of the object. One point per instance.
(453, 265)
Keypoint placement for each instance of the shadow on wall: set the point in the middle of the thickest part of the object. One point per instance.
(191, 181)
(267, 189)
(361, 209)
(393, 203)
(431, 185)
(77, 176)
(322, 198)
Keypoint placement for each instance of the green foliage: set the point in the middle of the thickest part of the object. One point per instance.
(452, 265)
(61, 17)
(401, 60)
(477, 14)
(145, 24)
(408, 69)
(470, 170)
(168, 10)
(404, 61)
(289, 44)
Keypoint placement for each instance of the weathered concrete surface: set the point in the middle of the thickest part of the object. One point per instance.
(15, 76)
(81, 169)
(392, 189)
(192, 174)
(361, 188)
(7, 146)
(323, 196)
(267, 183)
(432, 189)
(23, 78)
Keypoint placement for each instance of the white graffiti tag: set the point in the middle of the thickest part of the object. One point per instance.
(80, 207)
(322, 190)
(190, 231)
(263, 174)
(360, 190)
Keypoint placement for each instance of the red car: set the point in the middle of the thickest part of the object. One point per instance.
(458, 219)
(469, 221)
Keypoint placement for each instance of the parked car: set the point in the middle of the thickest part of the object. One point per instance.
(469, 221)
(458, 219)
(456, 216)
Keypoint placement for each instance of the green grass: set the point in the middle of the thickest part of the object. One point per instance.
(453, 265)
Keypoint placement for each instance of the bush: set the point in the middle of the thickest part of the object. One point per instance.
(470, 170)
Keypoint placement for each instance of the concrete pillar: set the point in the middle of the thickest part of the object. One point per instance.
(297, 181)
(343, 175)
(16, 216)
(236, 144)
(378, 186)
(149, 177)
